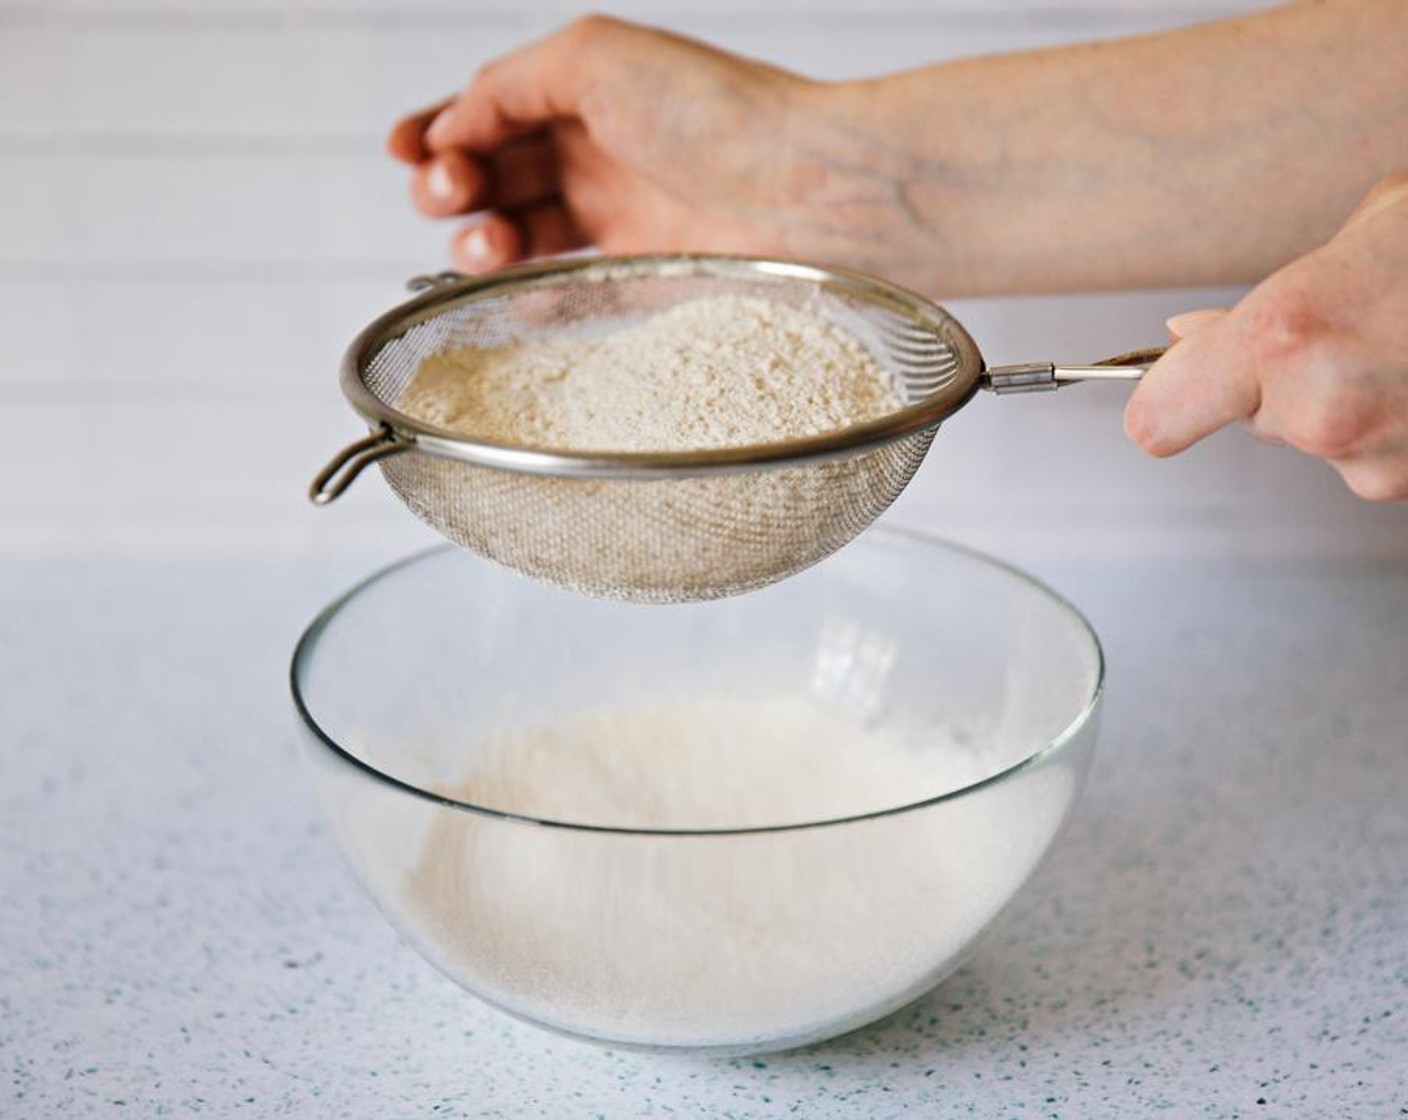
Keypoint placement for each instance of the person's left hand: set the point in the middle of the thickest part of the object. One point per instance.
(1316, 357)
(631, 139)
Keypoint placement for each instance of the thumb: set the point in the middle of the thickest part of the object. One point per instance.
(1201, 384)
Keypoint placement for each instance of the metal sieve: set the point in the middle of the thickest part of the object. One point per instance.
(668, 526)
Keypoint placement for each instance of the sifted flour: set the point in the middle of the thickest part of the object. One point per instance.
(724, 371)
(746, 940)
(710, 762)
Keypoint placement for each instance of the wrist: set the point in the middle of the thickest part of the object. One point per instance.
(903, 189)
(846, 176)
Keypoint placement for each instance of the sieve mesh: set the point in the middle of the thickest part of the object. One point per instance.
(707, 529)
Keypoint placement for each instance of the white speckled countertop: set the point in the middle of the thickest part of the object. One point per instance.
(1222, 932)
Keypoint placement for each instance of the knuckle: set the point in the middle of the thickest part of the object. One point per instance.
(1301, 365)
(588, 29)
(1284, 330)
(587, 45)
(1376, 482)
(1329, 425)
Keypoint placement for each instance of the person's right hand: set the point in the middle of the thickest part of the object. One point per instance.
(630, 139)
(1315, 356)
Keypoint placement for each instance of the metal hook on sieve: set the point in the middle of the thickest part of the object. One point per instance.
(348, 463)
(431, 281)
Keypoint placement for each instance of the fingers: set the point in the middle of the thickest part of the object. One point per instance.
(486, 244)
(1312, 357)
(454, 183)
(516, 189)
(514, 96)
(451, 183)
(1283, 364)
(520, 174)
(505, 237)
(407, 139)
(1203, 383)
(488, 147)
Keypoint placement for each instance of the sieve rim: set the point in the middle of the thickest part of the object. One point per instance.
(925, 414)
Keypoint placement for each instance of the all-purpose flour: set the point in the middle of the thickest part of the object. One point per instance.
(718, 372)
(712, 762)
(703, 940)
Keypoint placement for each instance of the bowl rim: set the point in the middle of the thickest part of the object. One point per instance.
(311, 635)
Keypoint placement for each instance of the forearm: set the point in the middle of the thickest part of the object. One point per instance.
(1211, 154)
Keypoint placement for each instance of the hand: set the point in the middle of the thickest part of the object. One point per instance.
(631, 139)
(1315, 357)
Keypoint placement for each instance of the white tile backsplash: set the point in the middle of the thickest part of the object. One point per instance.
(40, 344)
(196, 217)
(34, 193)
(31, 82)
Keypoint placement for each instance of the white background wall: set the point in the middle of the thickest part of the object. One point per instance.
(196, 216)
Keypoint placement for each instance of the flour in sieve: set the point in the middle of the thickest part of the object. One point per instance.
(706, 373)
(725, 371)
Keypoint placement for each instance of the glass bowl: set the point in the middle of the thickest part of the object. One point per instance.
(730, 827)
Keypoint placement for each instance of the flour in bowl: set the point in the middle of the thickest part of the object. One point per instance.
(724, 371)
(700, 763)
(735, 939)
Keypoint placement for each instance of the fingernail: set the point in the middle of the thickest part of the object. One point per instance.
(440, 127)
(1190, 322)
(440, 184)
(478, 248)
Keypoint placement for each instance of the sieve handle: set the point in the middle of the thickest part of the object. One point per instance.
(348, 463)
(1033, 377)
